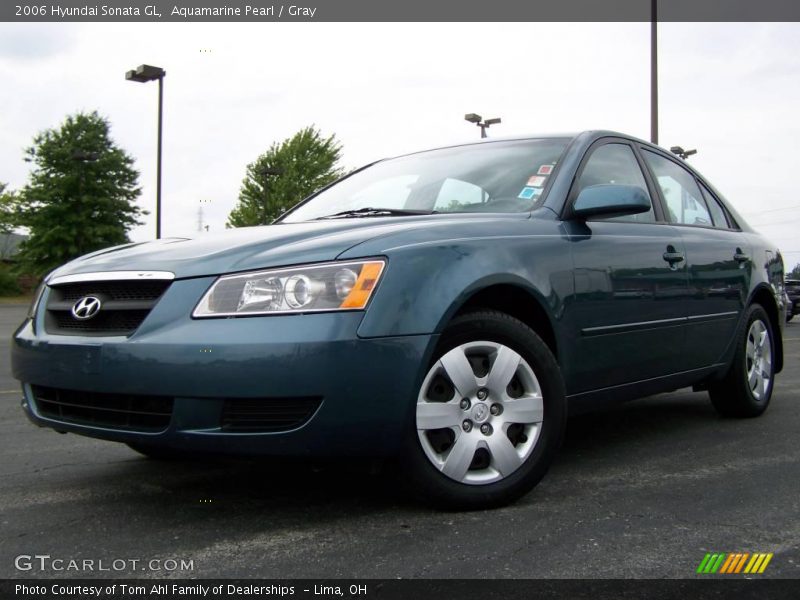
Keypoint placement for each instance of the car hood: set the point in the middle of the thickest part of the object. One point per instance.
(250, 248)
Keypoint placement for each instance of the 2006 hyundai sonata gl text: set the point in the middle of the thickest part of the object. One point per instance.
(448, 307)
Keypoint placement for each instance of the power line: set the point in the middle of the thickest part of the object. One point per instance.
(771, 210)
(768, 223)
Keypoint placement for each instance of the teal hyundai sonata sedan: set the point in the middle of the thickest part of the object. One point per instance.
(449, 308)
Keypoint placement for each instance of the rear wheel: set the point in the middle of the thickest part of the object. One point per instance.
(489, 414)
(746, 389)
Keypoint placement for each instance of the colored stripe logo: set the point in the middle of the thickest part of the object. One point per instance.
(734, 562)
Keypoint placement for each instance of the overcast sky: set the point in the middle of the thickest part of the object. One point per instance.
(730, 90)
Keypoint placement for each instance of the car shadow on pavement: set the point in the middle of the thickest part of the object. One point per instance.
(298, 487)
(640, 424)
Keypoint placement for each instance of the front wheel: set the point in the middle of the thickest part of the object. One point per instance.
(489, 415)
(746, 389)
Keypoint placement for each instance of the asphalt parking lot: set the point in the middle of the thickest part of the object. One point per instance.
(643, 490)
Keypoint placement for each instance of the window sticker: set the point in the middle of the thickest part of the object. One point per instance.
(545, 170)
(529, 192)
(536, 181)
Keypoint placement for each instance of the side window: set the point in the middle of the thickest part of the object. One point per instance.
(615, 163)
(717, 212)
(684, 201)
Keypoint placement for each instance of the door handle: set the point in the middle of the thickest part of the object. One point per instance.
(673, 257)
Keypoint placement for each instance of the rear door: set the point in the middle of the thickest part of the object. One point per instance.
(628, 318)
(718, 256)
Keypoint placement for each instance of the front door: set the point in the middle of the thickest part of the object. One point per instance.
(629, 314)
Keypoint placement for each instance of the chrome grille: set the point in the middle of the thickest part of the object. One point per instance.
(124, 305)
(114, 290)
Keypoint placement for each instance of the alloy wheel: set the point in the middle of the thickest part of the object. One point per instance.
(479, 412)
(758, 359)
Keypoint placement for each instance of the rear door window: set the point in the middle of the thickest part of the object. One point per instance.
(684, 201)
(715, 208)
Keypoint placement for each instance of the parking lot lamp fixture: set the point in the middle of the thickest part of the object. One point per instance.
(478, 120)
(684, 154)
(143, 74)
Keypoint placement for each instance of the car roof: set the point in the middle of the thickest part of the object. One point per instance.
(587, 136)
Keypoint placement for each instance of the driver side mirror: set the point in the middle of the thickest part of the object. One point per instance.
(610, 200)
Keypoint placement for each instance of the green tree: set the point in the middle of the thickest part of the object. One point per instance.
(285, 174)
(794, 273)
(9, 217)
(9, 209)
(80, 194)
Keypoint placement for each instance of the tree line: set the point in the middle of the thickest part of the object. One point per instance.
(82, 189)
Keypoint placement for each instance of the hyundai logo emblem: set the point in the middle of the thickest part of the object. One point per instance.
(480, 412)
(86, 308)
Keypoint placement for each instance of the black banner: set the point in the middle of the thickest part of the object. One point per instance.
(424, 589)
(400, 11)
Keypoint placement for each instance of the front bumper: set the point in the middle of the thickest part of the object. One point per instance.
(368, 386)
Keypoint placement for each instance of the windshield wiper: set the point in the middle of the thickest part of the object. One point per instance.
(375, 212)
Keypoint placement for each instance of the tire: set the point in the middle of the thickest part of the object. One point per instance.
(516, 409)
(160, 453)
(746, 389)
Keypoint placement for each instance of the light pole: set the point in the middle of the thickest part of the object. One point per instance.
(654, 71)
(143, 74)
(473, 118)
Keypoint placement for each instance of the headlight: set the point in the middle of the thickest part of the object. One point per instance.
(325, 287)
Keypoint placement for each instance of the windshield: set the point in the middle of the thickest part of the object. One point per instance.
(491, 177)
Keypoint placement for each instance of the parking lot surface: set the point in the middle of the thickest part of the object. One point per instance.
(642, 490)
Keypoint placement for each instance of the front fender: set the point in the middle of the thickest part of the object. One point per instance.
(425, 284)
